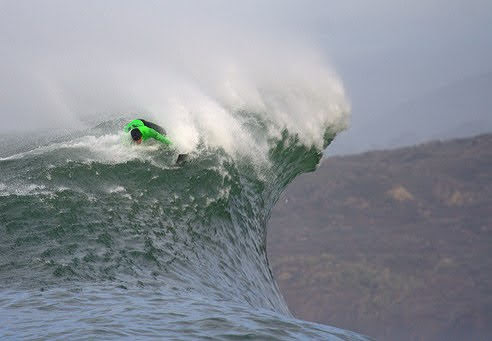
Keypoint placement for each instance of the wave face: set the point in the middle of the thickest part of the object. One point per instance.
(102, 239)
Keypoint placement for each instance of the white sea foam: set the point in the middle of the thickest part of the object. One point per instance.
(192, 79)
(300, 93)
(120, 190)
(23, 189)
(111, 148)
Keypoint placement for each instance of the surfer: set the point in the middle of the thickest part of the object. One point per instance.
(142, 130)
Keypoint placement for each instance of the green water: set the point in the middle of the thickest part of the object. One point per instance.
(100, 239)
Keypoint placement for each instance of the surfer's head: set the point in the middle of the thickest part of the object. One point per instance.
(136, 135)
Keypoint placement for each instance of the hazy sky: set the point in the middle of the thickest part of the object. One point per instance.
(386, 52)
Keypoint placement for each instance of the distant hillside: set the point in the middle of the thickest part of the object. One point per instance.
(394, 244)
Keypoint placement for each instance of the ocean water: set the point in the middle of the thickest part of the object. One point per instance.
(102, 239)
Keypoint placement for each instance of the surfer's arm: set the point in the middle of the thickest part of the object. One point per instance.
(159, 137)
(133, 124)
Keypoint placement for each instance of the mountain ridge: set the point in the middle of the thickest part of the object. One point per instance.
(394, 244)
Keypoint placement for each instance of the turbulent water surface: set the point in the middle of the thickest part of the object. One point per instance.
(103, 239)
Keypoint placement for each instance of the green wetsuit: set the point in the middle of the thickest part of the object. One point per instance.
(147, 132)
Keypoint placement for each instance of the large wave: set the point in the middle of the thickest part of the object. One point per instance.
(94, 211)
(89, 221)
(97, 208)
